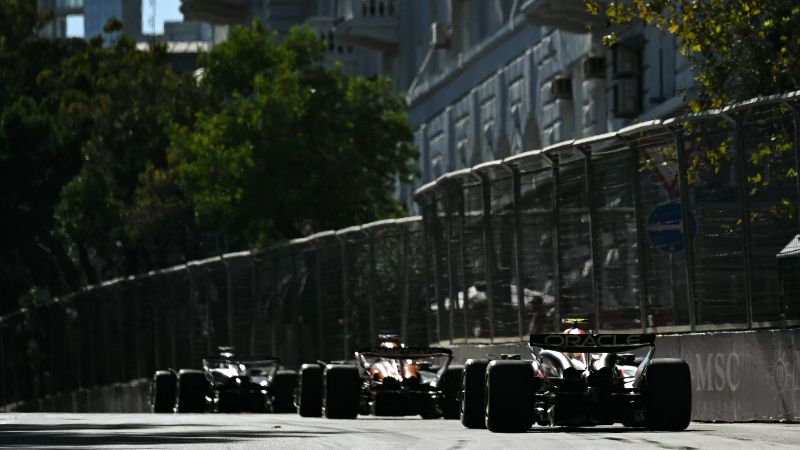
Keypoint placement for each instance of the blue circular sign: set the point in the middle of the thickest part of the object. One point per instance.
(664, 227)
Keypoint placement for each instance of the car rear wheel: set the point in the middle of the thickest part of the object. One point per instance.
(309, 392)
(193, 390)
(667, 390)
(162, 398)
(283, 385)
(472, 391)
(451, 383)
(341, 392)
(510, 388)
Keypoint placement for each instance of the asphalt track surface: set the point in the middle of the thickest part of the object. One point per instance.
(286, 431)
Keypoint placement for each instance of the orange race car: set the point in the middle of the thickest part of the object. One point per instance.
(389, 379)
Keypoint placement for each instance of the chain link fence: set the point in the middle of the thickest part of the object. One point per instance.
(319, 297)
(686, 224)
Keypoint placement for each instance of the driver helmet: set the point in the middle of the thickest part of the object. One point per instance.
(389, 341)
(575, 356)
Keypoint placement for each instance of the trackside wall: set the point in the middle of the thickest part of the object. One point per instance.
(736, 376)
(131, 397)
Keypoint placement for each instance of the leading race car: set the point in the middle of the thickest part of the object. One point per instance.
(227, 383)
(387, 380)
(578, 379)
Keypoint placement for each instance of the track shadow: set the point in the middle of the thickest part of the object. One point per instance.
(592, 430)
(17, 436)
(93, 426)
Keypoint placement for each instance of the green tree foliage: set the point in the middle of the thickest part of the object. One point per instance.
(36, 157)
(123, 103)
(738, 49)
(109, 160)
(288, 145)
(83, 130)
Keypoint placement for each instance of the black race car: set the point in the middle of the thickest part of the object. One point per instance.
(226, 383)
(388, 380)
(578, 379)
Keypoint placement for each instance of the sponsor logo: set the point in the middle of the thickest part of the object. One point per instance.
(592, 340)
(716, 372)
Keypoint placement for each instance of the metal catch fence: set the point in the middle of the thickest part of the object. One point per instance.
(677, 225)
(316, 298)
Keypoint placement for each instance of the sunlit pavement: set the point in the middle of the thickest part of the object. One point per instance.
(291, 431)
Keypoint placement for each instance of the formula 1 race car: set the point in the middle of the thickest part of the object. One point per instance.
(227, 383)
(387, 380)
(578, 379)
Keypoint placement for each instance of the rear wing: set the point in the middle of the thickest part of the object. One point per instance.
(247, 360)
(405, 352)
(592, 343)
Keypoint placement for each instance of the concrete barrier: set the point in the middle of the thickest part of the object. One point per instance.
(130, 397)
(736, 376)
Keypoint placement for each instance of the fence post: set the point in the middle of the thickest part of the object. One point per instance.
(462, 261)
(406, 288)
(636, 191)
(174, 318)
(556, 253)
(291, 292)
(3, 368)
(432, 254)
(156, 318)
(320, 300)
(229, 310)
(123, 356)
(588, 172)
(371, 287)
(488, 251)
(211, 332)
(137, 326)
(744, 210)
(450, 275)
(91, 350)
(683, 186)
(255, 312)
(77, 339)
(345, 293)
(518, 243)
(190, 312)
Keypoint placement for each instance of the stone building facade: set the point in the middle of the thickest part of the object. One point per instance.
(488, 79)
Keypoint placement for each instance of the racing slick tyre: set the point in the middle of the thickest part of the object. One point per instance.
(193, 388)
(472, 391)
(510, 388)
(451, 383)
(309, 391)
(162, 398)
(341, 391)
(667, 390)
(283, 385)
